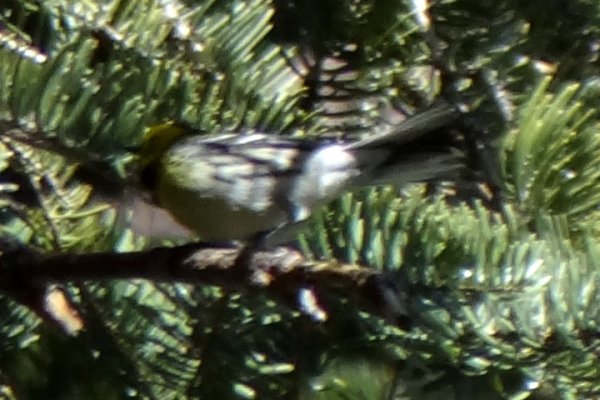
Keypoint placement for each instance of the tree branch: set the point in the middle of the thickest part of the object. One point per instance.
(282, 272)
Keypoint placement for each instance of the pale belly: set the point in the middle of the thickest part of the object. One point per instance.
(215, 219)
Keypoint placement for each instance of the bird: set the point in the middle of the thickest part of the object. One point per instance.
(256, 186)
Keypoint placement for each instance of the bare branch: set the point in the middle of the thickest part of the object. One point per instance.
(282, 272)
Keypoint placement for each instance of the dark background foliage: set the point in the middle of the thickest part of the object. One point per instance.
(502, 295)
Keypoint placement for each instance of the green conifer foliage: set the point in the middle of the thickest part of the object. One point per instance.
(499, 297)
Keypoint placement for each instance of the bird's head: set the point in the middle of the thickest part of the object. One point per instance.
(157, 140)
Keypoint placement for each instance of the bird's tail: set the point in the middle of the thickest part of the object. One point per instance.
(422, 148)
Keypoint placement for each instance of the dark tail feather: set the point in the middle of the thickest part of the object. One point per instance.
(414, 127)
(422, 148)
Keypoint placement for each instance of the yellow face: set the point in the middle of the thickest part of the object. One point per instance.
(157, 140)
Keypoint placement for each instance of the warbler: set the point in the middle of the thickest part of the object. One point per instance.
(249, 186)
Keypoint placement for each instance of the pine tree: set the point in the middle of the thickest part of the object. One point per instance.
(496, 282)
